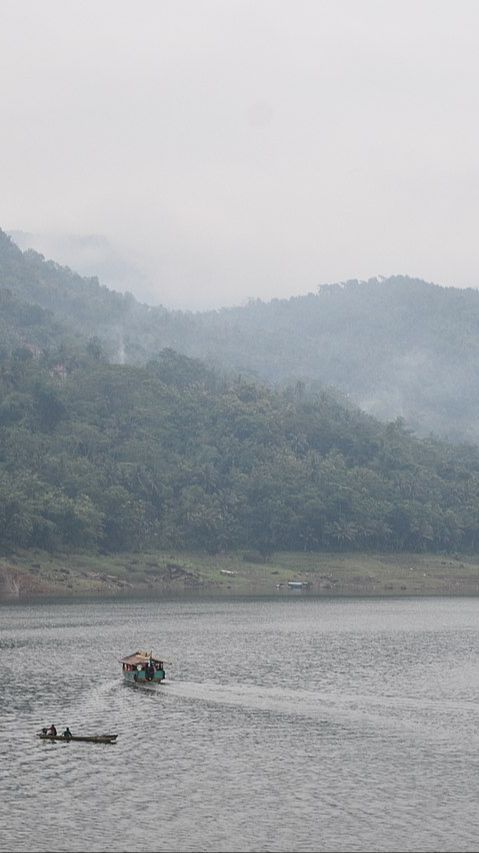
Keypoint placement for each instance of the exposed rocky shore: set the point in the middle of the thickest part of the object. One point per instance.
(36, 576)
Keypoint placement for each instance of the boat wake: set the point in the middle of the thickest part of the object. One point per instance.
(388, 711)
(281, 700)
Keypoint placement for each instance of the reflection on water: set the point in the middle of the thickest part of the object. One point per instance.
(285, 725)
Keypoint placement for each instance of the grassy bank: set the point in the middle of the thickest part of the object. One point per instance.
(28, 575)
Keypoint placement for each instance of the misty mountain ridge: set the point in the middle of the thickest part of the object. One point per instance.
(91, 256)
(395, 346)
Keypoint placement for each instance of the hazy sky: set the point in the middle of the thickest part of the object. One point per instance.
(221, 150)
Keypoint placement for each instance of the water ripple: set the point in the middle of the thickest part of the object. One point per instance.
(299, 725)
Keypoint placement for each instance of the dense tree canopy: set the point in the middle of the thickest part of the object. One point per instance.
(94, 455)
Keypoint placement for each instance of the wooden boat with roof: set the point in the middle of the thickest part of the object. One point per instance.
(142, 669)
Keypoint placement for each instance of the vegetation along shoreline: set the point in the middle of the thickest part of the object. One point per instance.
(236, 452)
(40, 575)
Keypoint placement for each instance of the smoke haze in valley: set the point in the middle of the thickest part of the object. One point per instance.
(200, 153)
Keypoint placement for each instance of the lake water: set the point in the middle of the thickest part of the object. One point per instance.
(296, 724)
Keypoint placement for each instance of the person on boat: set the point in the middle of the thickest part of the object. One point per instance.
(52, 731)
(67, 734)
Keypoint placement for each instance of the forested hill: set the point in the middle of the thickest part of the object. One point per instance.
(397, 347)
(116, 457)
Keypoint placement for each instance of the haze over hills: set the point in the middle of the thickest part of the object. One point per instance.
(109, 439)
(91, 255)
(395, 347)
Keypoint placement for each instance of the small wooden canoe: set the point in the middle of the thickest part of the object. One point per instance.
(88, 738)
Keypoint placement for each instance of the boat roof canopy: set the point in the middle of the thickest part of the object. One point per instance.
(140, 658)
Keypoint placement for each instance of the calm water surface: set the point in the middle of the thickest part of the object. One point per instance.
(299, 724)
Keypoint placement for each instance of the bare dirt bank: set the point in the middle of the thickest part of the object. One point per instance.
(37, 575)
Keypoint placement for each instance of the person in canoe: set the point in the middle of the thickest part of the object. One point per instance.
(67, 734)
(52, 731)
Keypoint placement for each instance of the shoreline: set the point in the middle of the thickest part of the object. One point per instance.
(28, 576)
